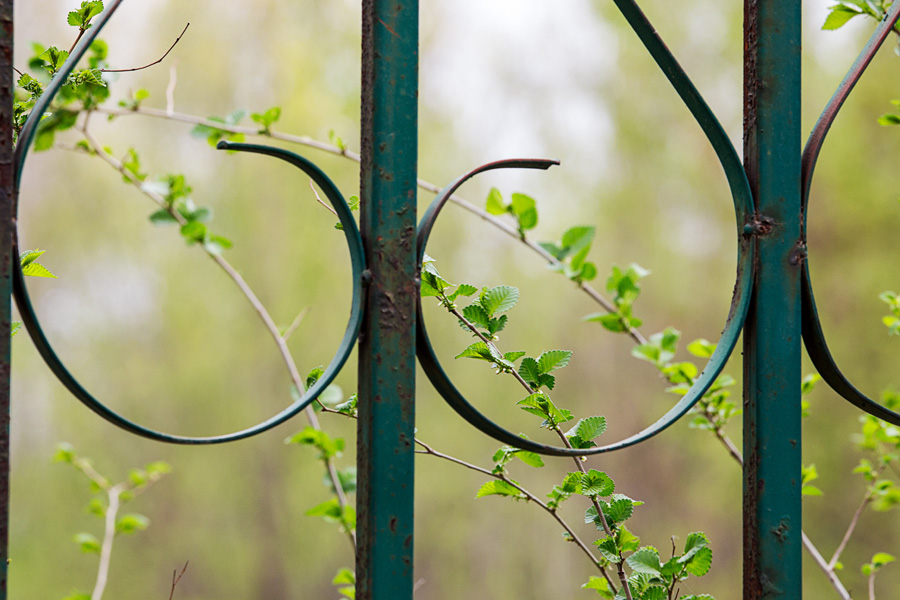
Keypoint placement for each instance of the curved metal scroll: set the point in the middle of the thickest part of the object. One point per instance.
(746, 227)
(813, 336)
(32, 324)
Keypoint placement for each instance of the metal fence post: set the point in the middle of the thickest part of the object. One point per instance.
(387, 356)
(7, 87)
(772, 334)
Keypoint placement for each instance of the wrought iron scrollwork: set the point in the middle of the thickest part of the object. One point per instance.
(813, 335)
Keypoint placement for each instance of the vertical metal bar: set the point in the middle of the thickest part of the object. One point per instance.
(6, 202)
(772, 512)
(386, 424)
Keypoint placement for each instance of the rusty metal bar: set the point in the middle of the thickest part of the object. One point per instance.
(7, 87)
(772, 335)
(387, 357)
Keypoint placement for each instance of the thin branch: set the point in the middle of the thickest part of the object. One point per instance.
(156, 62)
(829, 571)
(319, 199)
(177, 578)
(170, 88)
(109, 535)
(850, 528)
(295, 324)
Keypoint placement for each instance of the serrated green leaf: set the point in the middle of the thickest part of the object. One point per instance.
(476, 315)
(700, 563)
(35, 269)
(608, 549)
(480, 351)
(596, 483)
(645, 560)
(498, 487)
(839, 16)
(499, 299)
(530, 371)
(553, 359)
(599, 585)
(588, 428)
(618, 510)
(694, 543)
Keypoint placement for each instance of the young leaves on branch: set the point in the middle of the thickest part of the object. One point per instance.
(522, 208)
(625, 289)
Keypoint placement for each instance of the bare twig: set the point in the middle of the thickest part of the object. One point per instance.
(850, 529)
(176, 577)
(109, 534)
(319, 199)
(170, 88)
(156, 62)
(295, 324)
(829, 571)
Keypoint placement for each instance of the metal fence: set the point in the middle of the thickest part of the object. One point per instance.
(773, 303)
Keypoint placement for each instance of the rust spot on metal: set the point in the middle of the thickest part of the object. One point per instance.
(798, 254)
(393, 524)
(781, 532)
(758, 225)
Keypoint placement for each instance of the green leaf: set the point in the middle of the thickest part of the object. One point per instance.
(608, 549)
(495, 204)
(701, 348)
(588, 428)
(14, 327)
(599, 585)
(513, 356)
(839, 16)
(610, 321)
(89, 543)
(889, 119)
(476, 315)
(498, 487)
(553, 359)
(319, 440)
(645, 560)
(532, 459)
(330, 511)
(314, 376)
(132, 523)
(37, 270)
(193, 232)
(619, 509)
(695, 542)
(480, 351)
(344, 576)
(499, 299)
(523, 207)
(596, 483)
(530, 371)
(699, 565)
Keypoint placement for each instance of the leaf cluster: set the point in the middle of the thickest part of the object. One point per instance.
(571, 251)
(623, 284)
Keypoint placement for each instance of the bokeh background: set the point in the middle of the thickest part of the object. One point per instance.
(157, 331)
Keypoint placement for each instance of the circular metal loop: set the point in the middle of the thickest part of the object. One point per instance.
(32, 324)
(813, 335)
(439, 379)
